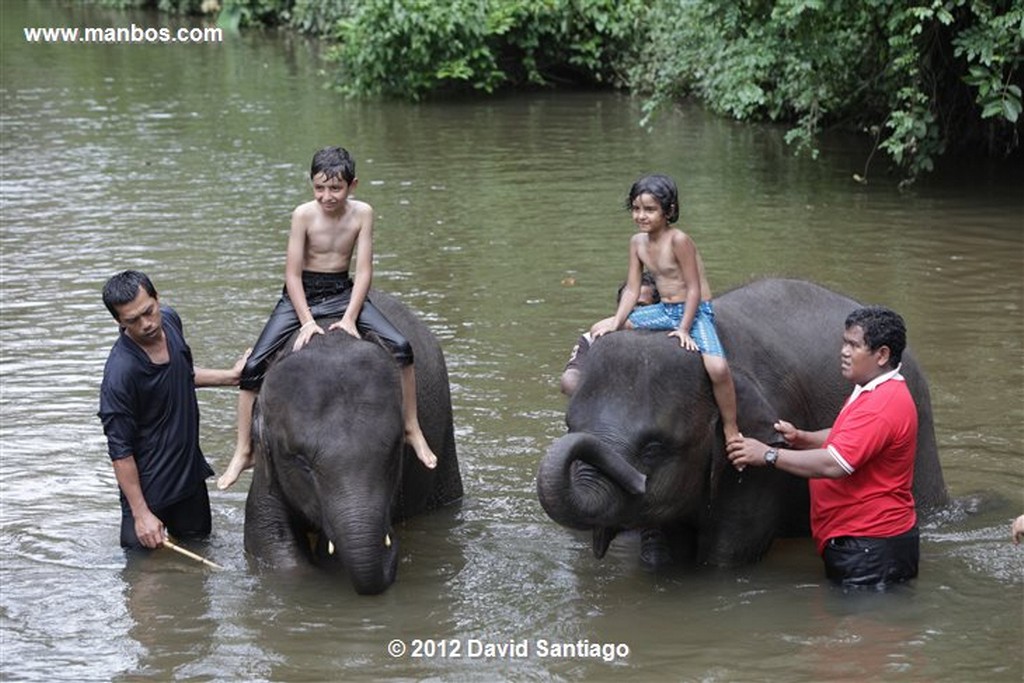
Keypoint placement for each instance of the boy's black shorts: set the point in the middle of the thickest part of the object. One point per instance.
(857, 561)
(328, 296)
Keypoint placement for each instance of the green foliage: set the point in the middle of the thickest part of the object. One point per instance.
(169, 6)
(310, 16)
(234, 13)
(992, 49)
(411, 48)
(233, 8)
(320, 17)
(900, 71)
(920, 77)
(791, 60)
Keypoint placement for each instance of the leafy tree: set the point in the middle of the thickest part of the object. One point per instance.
(169, 6)
(412, 48)
(317, 17)
(920, 78)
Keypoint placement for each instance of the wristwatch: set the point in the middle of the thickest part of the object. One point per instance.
(770, 456)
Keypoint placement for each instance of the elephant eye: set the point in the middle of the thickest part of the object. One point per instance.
(302, 462)
(652, 452)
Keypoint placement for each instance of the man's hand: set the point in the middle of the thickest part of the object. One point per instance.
(787, 431)
(1018, 530)
(743, 451)
(236, 369)
(149, 530)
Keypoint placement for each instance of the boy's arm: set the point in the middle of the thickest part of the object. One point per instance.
(364, 275)
(686, 256)
(630, 294)
(295, 257)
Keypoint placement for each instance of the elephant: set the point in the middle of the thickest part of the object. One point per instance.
(332, 471)
(645, 447)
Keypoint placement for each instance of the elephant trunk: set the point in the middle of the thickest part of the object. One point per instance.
(368, 549)
(583, 484)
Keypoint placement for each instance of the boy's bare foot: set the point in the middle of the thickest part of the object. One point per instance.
(422, 449)
(239, 463)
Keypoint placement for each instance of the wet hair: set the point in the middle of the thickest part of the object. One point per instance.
(333, 162)
(646, 280)
(122, 289)
(882, 327)
(663, 189)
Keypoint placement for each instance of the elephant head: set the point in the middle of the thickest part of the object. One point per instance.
(643, 430)
(329, 445)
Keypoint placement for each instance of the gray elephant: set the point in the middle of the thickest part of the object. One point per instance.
(332, 471)
(645, 447)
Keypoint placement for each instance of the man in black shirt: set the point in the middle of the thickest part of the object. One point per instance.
(150, 416)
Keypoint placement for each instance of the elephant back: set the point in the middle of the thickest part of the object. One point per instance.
(782, 339)
(424, 490)
(785, 336)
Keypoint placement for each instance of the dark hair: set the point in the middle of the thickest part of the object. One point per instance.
(646, 279)
(882, 327)
(122, 289)
(662, 188)
(333, 162)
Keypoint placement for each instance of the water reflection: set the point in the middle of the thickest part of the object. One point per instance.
(170, 617)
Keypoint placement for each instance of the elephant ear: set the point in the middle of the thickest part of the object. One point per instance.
(755, 412)
(756, 417)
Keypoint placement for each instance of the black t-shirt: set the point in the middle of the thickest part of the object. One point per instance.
(150, 411)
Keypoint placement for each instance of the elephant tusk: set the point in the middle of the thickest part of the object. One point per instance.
(330, 547)
(387, 540)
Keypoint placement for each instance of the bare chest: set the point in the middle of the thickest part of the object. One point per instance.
(331, 241)
(659, 259)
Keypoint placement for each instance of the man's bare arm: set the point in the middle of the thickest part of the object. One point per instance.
(148, 528)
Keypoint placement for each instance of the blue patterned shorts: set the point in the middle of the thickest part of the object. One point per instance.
(665, 316)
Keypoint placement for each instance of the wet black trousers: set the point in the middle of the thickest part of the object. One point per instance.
(188, 519)
(860, 562)
(328, 296)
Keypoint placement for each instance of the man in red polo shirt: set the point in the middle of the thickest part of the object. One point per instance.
(861, 470)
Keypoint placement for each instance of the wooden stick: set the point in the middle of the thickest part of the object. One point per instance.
(189, 553)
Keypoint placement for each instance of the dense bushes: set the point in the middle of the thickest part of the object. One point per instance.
(413, 48)
(919, 78)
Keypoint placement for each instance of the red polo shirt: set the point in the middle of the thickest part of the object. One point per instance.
(874, 439)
